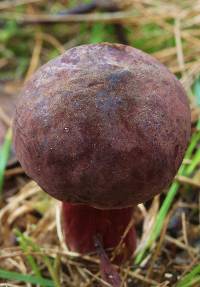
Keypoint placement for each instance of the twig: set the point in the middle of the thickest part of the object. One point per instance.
(184, 231)
(142, 278)
(159, 245)
(117, 250)
(187, 180)
(179, 47)
(11, 4)
(53, 41)
(95, 277)
(5, 118)
(9, 285)
(181, 245)
(35, 56)
(109, 274)
(107, 17)
(13, 172)
(81, 9)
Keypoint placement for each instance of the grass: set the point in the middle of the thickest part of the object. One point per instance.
(184, 170)
(193, 277)
(4, 156)
(14, 276)
(27, 244)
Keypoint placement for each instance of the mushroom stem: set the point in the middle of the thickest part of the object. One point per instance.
(82, 224)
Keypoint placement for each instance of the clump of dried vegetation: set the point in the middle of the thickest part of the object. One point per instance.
(32, 249)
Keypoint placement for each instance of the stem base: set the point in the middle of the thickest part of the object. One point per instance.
(83, 223)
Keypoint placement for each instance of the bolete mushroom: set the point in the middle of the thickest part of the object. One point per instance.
(102, 128)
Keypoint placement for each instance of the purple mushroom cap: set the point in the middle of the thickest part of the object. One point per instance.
(104, 125)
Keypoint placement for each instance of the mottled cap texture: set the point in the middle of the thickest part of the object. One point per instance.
(103, 124)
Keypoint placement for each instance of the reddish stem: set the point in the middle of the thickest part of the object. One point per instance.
(82, 224)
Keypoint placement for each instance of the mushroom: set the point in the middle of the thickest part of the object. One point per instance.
(103, 127)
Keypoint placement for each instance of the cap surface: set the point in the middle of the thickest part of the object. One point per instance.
(104, 124)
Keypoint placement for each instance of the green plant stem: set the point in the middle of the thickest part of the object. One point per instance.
(26, 248)
(4, 156)
(14, 276)
(190, 278)
(184, 170)
(46, 259)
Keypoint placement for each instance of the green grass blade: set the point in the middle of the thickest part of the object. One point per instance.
(193, 143)
(190, 278)
(192, 283)
(25, 247)
(155, 232)
(159, 221)
(194, 162)
(14, 276)
(45, 259)
(4, 156)
(196, 89)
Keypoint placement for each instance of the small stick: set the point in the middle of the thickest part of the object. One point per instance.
(12, 4)
(81, 9)
(109, 274)
(106, 17)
